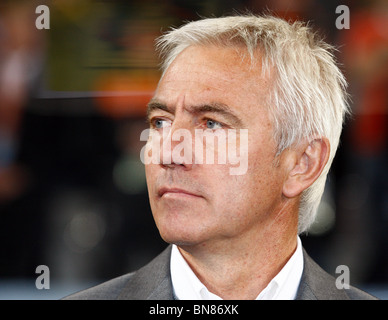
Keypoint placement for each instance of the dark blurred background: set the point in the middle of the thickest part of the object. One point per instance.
(72, 106)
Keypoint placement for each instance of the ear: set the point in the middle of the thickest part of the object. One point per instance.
(305, 165)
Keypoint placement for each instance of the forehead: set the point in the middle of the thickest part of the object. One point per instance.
(220, 74)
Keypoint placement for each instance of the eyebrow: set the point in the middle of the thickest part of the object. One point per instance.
(216, 107)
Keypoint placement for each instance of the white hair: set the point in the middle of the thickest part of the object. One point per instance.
(308, 99)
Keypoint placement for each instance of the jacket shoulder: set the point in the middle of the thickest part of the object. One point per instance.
(152, 281)
(109, 290)
(317, 284)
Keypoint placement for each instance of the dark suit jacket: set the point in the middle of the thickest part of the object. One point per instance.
(153, 282)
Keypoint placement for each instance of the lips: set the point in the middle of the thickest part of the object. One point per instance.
(166, 191)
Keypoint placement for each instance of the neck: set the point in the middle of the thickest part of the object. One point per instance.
(240, 268)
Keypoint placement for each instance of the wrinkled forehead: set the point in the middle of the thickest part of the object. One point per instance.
(252, 58)
(216, 69)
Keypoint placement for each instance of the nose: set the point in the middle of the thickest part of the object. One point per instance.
(177, 146)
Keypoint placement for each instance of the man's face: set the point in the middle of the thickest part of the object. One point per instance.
(197, 203)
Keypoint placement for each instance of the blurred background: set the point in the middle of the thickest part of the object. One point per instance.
(72, 106)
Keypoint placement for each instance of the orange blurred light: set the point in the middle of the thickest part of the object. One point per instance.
(122, 94)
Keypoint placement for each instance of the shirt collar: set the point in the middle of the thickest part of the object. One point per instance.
(283, 286)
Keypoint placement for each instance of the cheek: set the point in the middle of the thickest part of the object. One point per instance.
(246, 202)
(262, 183)
(230, 192)
(151, 172)
(149, 175)
(238, 203)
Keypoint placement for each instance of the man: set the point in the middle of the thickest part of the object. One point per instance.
(235, 236)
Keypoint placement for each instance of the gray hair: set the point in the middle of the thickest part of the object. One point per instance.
(308, 99)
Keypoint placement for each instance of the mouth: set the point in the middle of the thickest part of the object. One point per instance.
(166, 192)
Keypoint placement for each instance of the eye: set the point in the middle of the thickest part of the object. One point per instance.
(159, 123)
(211, 124)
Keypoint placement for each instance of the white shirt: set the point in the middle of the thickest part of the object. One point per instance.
(283, 286)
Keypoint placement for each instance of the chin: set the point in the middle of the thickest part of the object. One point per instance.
(179, 238)
(181, 235)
